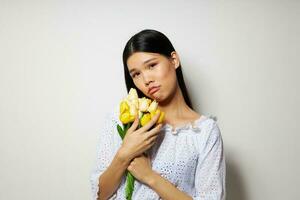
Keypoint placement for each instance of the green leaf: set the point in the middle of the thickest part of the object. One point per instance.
(120, 131)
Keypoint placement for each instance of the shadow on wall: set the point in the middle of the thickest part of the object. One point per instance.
(235, 187)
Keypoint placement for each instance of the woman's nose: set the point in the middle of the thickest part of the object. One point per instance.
(147, 79)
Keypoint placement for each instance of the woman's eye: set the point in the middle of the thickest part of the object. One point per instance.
(152, 65)
(135, 75)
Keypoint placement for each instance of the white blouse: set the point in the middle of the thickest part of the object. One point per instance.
(191, 157)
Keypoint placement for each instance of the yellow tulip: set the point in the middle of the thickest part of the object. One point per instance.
(145, 119)
(132, 94)
(135, 103)
(123, 107)
(153, 106)
(161, 116)
(157, 111)
(129, 107)
(144, 104)
(125, 117)
(132, 101)
(133, 109)
(132, 106)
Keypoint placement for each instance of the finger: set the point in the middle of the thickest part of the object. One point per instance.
(150, 123)
(134, 124)
(151, 141)
(154, 131)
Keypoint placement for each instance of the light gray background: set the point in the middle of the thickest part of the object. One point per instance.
(61, 71)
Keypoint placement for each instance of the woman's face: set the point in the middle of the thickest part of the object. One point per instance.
(149, 70)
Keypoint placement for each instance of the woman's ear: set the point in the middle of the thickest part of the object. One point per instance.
(175, 59)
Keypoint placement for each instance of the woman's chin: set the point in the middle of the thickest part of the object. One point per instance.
(158, 97)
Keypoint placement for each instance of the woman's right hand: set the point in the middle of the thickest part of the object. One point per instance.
(137, 141)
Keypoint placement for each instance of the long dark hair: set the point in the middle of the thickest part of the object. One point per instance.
(151, 41)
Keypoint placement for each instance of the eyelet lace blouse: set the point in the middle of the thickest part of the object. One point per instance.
(191, 157)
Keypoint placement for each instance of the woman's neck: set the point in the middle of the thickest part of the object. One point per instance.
(177, 109)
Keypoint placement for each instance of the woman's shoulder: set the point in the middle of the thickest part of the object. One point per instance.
(212, 129)
(209, 120)
(205, 121)
(208, 125)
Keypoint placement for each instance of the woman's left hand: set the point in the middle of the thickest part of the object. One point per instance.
(140, 168)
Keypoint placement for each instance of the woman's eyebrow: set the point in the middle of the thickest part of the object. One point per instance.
(145, 62)
(132, 70)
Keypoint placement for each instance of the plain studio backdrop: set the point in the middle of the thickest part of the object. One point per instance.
(61, 71)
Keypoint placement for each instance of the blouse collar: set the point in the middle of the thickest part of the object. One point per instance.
(193, 125)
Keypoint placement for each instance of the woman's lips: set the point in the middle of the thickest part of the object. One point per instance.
(153, 90)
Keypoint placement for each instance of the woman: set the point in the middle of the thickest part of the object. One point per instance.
(184, 159)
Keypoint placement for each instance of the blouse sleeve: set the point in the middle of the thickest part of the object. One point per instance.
(106, 149)
(211, 169)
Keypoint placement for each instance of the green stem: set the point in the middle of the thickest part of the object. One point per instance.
(129, 185)
(129, 177)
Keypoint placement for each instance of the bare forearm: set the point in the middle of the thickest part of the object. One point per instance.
(112, 176)
(165, 189)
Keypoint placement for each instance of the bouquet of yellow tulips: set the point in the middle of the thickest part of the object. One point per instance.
(130, 107)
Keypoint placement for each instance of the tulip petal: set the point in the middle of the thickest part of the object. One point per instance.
(145, 119)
